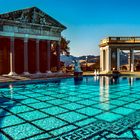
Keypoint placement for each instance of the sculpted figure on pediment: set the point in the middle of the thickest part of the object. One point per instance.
(35, 17)
(43, 21)
(24, 17)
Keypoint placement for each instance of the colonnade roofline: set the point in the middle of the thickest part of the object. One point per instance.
(120, 40)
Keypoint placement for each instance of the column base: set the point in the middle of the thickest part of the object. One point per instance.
(26, 73)
(60, 72)
(48, 72)
(12, 74)
(38, 73)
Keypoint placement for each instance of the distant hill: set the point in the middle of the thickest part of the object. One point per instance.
(68, 60)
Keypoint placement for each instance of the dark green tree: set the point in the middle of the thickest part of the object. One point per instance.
(65, 49)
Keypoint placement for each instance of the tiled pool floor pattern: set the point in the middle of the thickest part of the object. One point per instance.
(70, 111)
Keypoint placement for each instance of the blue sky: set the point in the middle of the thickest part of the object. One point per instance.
(87, 21)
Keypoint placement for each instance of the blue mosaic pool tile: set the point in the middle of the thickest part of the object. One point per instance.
(97, 98)
(34, 95)
(29, 101)
(63, 130)
(19, 109)
(85, 122)
(49, 123)
(87, 102)
(45, 98)
(137, 132)
(22, 131)
(72, 106)
(118, 102)
(54, 110)
(104, 106)
(110, 117)
(4, 113)
(112, 96)
(72, 98)
(58, 95)
(40, 136)
(133, 106)
(3, 137)
(128, 99)
(26, 92)
(137, 102)
(136, 96)
(33, 115)
(57, 102)
(112, 136)
(9, 120)
(123, 111)
(71, 116)
(85, 95)
(9, 104)
(126, 135)
(72, 93)
(16, 97)
(39, 105)
(122, 93)
(89, 111)
(40, 90)
(4, 100)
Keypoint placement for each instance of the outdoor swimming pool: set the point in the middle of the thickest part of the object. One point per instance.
(94, 108)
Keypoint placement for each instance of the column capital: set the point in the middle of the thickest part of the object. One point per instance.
(25, 40)
(37, 41)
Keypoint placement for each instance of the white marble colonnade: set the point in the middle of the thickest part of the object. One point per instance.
(105, 59)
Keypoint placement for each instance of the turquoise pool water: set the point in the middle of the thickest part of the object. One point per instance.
(94, 108)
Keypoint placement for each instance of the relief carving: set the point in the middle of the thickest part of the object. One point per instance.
(24, 17)
(21, 18)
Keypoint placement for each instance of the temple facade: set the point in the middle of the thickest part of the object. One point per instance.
(28, 38)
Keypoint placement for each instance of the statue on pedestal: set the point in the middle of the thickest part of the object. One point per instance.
(78, 73)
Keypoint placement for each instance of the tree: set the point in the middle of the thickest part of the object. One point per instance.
(64, 46)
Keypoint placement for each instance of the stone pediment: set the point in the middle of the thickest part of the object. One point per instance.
(33, 16)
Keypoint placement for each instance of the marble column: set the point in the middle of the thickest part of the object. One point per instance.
(26, 56)
(12, 58)
(101, 59)
(104, 60)
(37, 57)
(118, 59)
(58, 49)
(132, 60)
(108, 59)
(48, 57)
